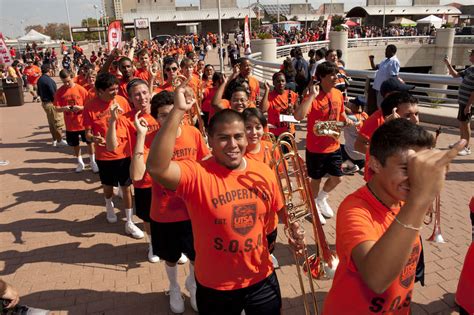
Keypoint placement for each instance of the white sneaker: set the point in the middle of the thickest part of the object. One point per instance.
(55, 143)
(176, 301)
(94, 167)
(465, 151)
(275, 263)
(111, 216)
(183, 259)
(350, 170)
(132, 229)
(191, 287)
(152, 257)
(323, 206)
(322, 219)
(80, 167)
(62, 143)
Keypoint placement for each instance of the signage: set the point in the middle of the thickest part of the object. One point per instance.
(141, 23)
(115, 35)
(5, 56)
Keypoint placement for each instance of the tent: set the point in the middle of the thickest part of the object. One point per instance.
(432, 20)
(34, 36)
(403, 22)
(351, 23)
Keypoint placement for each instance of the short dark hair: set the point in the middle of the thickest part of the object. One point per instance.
(105, 80)
(124, 59)
(326, 68)
(277, 74)
(45, 68)
(186, 62)
(222, 117)
(240, 88)
(391, 48)
(329, 51)
(135, 82)
(159, 100)
(339, 53)
(143, 51)
(217, 76)
(397, 135)
(249, 113)
(64, 73)
(394, 100)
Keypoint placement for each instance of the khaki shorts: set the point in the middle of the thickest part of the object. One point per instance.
(55, 119)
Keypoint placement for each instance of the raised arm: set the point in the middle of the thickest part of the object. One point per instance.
(216, 100)
(264, 104)
(380, 262)
(451, 70)
(113, 54)
(111, 136)
(159, 164)
(302, 110)
(137, 165)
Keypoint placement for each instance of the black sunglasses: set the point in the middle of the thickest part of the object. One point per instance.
(171, 69)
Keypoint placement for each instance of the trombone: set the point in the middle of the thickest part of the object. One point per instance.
(294, 186)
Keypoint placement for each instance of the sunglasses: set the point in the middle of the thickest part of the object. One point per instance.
(171, 69)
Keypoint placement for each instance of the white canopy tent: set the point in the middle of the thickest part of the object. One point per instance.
(432, 20)
(34, 36)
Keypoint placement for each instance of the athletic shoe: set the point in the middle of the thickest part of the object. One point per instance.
(350, 170)
(132, 229)
(38, 99)
(183, 259)
(324, 207)
(465, 151)
(80, 167)
(152, 257)
(191, 287)
(55, 143)
(176, 301)
(111, 216)
(276, 265)
(62, 143)
(452, 145)
(322, 219)
(94, 167)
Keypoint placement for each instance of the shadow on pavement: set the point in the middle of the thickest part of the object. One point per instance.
(37, 175)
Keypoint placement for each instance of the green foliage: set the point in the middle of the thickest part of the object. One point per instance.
(447, 25)
(294, 18)
(36, 27)
(337, 20)
(61, 30)
(339, 28)
(264, 36)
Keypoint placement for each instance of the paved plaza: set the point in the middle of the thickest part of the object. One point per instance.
(58, 250)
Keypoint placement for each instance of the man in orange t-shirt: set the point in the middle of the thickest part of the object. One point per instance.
(377, 227)
(32, 73)
(114, 164)
(229, 200)
(323, 153)
(254, 86)
(70, 100)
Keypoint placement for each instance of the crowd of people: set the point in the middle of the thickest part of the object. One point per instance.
(185, 145)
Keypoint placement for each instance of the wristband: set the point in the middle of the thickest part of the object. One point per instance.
(138, 153)
(408, 226)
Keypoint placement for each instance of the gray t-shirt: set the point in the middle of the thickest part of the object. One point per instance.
(467, 85)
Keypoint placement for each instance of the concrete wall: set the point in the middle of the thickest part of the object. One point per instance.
(425, 2)
(148, 5)
(170, 28)
(381, 2)
(212, 4)
(299, 8)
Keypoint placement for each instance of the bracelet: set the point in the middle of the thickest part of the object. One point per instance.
(138, 153)
(408, 226)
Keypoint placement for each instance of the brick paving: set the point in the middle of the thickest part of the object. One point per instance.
(58, 250)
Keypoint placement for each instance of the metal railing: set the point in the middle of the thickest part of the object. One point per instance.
(431, 89)
(464, 39)
(284, 51)
(383, 41)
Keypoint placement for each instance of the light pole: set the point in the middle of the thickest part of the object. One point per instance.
(68, 21)
(221, 61)
(250, 19)
(384, 4)
(278, 14)
(97, 15)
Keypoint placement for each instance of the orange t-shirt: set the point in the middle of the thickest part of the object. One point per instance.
(229, 211)
(464, 293)
(325, 107)
(65, 97)
(254, 86)
(96, 117)
(127, 133)
(361, 217)
(278, 104)
(166, 205)
(164, 87)
(122, 90)
(265, 156)
(366, 131)
(143, 74)
(32, 73)
(91, 94)
(207, 97)
(80, 79)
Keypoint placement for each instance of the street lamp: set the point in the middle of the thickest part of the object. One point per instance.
(97, 15)
(221, 60)
(68, 20)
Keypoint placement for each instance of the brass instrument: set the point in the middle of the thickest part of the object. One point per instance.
(294, 185)
(435, 212)
(329, 128)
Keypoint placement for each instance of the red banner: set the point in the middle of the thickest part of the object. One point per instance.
(115, 35)
(5, 56)
(246, 32)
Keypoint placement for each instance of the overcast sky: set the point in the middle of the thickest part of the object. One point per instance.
(16, 14)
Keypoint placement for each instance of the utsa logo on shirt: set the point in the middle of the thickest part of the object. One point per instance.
(244, 217)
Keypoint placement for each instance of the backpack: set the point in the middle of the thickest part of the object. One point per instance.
(300, 76)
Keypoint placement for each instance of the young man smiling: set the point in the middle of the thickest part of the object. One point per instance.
(377, 228)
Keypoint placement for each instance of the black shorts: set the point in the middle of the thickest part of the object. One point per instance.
(462, 116)
(171, 239)
(271, 240)
(115, 172)
(262, 298)
(143, 203)
(72, 137)
(320, 164)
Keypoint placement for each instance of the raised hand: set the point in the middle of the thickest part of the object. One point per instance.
(115, 111)
(393, 115)
(266, 86)
(99, 140)
(180, 100)
(140, 123)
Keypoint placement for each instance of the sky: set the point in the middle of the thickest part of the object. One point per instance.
(15, 15)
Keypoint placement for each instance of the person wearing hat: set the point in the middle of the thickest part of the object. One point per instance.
(388, 68)
(465, 99)
(353, 160)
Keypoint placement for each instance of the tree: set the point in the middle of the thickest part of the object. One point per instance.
(337, 20)
(36, 27)
(90, 22)
(57, 30)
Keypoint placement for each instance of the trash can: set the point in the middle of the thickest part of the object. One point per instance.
(13, 91)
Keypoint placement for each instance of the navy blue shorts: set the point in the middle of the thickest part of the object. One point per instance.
(320, 164)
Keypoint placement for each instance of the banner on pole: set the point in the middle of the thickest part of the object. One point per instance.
(246, 32)
(328, 27)
(115, 35)
(5, 56)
